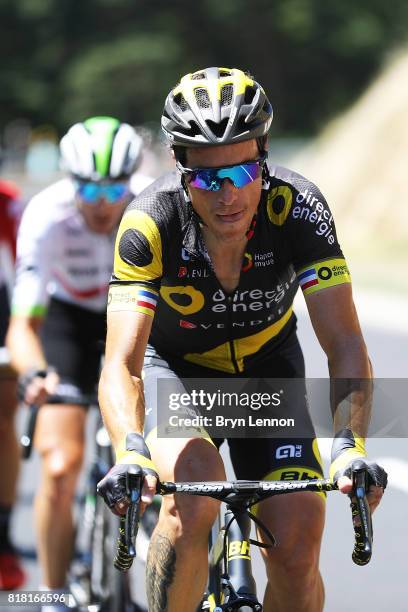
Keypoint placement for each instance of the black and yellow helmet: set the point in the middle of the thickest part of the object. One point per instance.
(216, 106)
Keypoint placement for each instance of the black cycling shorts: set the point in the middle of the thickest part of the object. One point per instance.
(287, 458)
(74, 342)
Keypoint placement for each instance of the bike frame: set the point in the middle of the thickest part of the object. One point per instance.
(237, 583)
(237, 586)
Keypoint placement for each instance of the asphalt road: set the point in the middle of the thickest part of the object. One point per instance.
(378, 587)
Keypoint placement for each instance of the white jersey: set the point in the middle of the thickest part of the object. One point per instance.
(59, 256)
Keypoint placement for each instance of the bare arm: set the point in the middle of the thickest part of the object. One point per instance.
(28, 359)
(336, 325)
(121, 394)
(335, 322)
(24, 343)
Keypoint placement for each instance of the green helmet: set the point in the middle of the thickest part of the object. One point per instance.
(101, 148)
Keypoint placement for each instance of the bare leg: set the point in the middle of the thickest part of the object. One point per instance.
(177, 564)
(294, 580)
(60, 440)
(9, 448)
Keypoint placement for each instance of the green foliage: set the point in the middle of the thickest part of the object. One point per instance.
(123, 78)
(64, 60)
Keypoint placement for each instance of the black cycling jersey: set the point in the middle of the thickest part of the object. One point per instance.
(162, 264)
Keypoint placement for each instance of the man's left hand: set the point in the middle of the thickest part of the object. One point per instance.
(377, 479)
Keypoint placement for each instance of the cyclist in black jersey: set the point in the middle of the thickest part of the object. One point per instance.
(207, 264)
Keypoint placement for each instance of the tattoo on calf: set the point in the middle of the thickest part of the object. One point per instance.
(160, 568)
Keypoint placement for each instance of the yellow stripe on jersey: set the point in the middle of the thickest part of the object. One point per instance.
(323, 274)
(220, 357)
(138, 241)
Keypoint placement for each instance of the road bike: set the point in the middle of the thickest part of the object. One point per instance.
(231, 585)
(93, 582)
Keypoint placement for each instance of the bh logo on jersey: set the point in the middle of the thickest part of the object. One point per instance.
(289, 450)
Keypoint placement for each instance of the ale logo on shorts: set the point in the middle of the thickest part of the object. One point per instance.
(289, 450)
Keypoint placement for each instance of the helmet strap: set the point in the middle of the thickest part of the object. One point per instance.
(266, 177)
(185, 189)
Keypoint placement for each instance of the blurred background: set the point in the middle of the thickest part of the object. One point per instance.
(336, 74)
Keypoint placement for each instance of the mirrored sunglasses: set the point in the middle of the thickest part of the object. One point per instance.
(211, 179)
(91, 193)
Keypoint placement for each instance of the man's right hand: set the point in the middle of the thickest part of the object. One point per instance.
(35, 386)
(133, 456)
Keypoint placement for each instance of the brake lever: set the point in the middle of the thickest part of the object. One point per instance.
(129, 524)
(364, 532)
(134, 492)
(27, 438)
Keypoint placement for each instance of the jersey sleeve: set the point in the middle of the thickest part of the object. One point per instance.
(33, 262)
(310, 232)
(138, 262)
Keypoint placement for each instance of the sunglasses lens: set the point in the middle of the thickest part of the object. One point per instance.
(92, 192)
(241, 175)
(115, 192)
(206, 179)
(88, 192)
(211, 179)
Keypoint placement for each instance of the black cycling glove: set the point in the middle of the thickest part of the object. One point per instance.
(133, 457)
(27, 378)
(347, 447)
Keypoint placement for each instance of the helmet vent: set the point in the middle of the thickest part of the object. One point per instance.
(227, 92)
(197, 76)
(249, 95)
(218, 128)
(181, 102)
(225, 73)
(241, 126)
(192, 130)
(202, 98)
